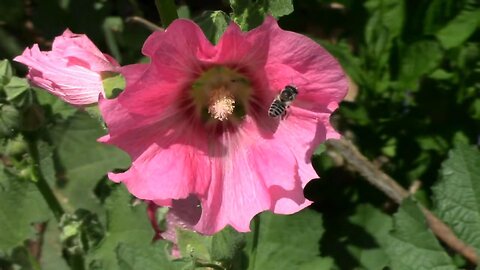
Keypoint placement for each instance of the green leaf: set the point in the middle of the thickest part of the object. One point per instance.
(15, 87)
(388, 14)
(349, 62)
(221, 247)
(384, 25)
(146, 256)
(21, 205)
(278, 8)
(6, 72)
(126, 224)
(84, 160)
(286, 242)
(412, 245)
(167, 11)
(183, 11)
(459, 29)
(370, 254)
(113, 84)
(9, 119)
(213, 24)
(457, 194)
(192, 244)
(249, 14)
(54, 104)
(52, 257)
(227, 244)
(420, 58)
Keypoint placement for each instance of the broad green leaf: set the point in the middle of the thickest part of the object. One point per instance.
(286, 242)
(213, 24)
(369, 252)
(420, 58)
(387, 15)
(113, 84)
(9, 120)
(52, 248)
(249, 14)
(226, 244)
(384, 25)
(194, 245)
(54, 104)
(356, 240)
(459, 29)
(6, 72)
(349, 62)
(278, 8)
(15, 87)
(21, 205)
(221, 247)
(84, 160)
(183, 11)
(167, 11)
(146, 256)
(412, 245)
(457, 194)
(126, 224)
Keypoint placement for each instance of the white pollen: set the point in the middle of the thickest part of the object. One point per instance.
(221, 105)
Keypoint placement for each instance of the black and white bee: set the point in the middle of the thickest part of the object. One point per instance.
(282, 101)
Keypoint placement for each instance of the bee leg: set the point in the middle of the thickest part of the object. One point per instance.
(285, 114)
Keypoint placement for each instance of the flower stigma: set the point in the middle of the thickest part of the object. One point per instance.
(221, 94)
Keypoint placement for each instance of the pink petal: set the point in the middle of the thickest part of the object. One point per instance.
(261, 164)
(70, 70)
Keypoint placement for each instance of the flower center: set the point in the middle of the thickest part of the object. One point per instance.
(221, 104)
(221, 94)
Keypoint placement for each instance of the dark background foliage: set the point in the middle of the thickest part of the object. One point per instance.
(415, 95)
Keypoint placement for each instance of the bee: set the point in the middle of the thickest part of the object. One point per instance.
(282, 101)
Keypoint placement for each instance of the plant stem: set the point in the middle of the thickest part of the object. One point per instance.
(41, 182)
(167, 11)
(147, 24)
(397, 193)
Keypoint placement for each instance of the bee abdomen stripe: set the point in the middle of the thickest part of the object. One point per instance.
(276, 109)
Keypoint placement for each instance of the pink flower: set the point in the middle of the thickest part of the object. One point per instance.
(195, 120)
(71, 70)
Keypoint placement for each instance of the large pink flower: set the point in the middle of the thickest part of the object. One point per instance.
(195, 120)
(71, 70)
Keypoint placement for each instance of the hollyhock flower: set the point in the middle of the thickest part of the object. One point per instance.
(71, 70)
(195, 120)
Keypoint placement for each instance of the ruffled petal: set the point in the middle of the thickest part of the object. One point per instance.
(298, 60)
(258, 164)
(235, 194)
(70, 70)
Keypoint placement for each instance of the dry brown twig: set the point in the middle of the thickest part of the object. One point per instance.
(397, 193)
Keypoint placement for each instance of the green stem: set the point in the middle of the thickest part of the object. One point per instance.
(256, 235)
(167, 11)
(41, 182)
(209, 265)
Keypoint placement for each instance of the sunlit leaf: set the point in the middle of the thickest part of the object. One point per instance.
(457, 194)
(412, 245)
